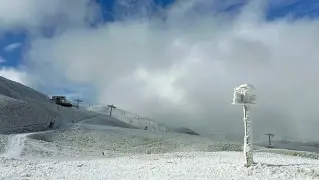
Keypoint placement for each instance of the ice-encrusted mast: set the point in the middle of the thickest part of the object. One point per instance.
(244, 95)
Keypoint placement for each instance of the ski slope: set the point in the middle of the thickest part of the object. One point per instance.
(139, 121)
(92, 145)
(130, 118)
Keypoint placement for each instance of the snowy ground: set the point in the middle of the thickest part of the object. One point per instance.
(196, 165)
(87, 151)
(91, 141)
(90, 145)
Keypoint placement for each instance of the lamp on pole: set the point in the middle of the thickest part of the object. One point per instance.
(244, 96)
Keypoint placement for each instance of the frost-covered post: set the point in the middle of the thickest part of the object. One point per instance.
(244, 95)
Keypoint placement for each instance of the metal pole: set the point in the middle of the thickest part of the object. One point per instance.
(248, 144)
(111, 111)
(269, 140)
(78, 103)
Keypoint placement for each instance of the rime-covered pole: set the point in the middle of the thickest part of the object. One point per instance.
(248, 139)
(243, 95)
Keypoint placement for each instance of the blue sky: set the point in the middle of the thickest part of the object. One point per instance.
(14, 43)
(14, 56)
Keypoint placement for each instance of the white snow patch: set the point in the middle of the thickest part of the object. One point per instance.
(15, 146)
(178, 166)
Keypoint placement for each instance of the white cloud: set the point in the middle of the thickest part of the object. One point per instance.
(34, 14)
(2, 60)
(185, 70)
(14, 75)
(12, 47)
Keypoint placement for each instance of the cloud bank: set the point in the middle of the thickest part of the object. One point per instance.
(181, 68)
(30, 15)
(14, 75)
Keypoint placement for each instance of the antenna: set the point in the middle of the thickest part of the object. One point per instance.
(244, 96)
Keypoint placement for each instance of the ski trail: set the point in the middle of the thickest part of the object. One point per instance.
(15, 146)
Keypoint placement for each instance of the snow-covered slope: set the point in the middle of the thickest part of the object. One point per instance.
(24, 109)
(93, 140)
(130, 118)
(139, 121)
(17, 115)
(18, 91)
